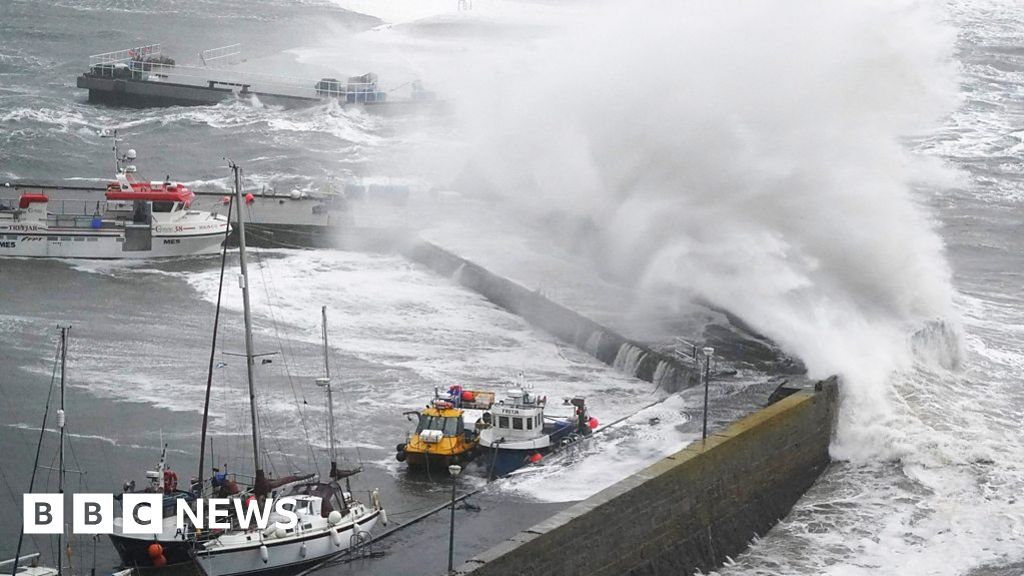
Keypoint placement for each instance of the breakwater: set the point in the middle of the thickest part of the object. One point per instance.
(608, 346)
(690, 511)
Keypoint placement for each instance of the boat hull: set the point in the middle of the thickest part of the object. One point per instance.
(420, 461)
(133, 549)
(105, 245)
(284, 556)
(501, 460)
(134, 552)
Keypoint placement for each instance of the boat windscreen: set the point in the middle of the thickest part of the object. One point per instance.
(449, 426)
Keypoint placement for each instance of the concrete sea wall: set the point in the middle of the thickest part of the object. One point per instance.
(569, 326)
(689, 511)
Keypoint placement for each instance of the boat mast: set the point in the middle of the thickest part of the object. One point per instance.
(60, 425)
(330, 398)
(261, 487)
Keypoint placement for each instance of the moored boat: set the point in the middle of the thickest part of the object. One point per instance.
(520, 433)
(446, 429)
(135, 219)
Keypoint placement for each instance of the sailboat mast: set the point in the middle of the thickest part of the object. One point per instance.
(60, 425)
(330, 398)
(260, 488)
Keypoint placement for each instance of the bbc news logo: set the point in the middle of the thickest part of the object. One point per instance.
(143, 513)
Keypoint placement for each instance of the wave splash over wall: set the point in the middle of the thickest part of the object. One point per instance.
(749, 153)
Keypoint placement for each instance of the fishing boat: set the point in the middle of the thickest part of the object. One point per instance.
(172, 544)
(446, 429)
(518, 432)
(136, 219)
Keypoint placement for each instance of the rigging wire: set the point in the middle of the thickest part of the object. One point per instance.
(35, 463)
(267, 285)
(213, 351)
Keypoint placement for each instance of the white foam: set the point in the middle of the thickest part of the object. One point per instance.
(596, 463)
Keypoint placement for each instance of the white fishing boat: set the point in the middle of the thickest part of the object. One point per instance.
(135, 219)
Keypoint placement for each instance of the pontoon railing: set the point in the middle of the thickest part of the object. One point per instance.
(125, 56)
(220, 56)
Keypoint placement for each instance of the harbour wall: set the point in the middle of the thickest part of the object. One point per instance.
(606, 345)
(690, 511)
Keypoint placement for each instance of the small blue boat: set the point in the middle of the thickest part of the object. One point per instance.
(518, 433)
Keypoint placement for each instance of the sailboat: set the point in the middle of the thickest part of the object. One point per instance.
(27, 565)
(331, 520)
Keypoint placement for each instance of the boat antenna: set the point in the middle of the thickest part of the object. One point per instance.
(326, 381)
(60, 424)
(213, 350)
(261, 487)
(39, 448)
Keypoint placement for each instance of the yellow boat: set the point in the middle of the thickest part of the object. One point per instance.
(446, 430)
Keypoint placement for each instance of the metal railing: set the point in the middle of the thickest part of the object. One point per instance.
(220, 56)
(124, 56)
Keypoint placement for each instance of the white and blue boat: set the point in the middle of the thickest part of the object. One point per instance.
(519, 433)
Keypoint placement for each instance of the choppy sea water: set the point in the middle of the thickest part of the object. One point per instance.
(945, 500)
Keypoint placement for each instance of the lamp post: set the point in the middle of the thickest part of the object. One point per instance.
(454, 470)
(708, 353)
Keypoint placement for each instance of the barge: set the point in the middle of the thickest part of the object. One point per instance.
(143, 77)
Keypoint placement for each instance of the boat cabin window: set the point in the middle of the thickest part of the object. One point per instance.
(517, 423)
(163, 206)
(538, 421)
(304, 506)
(502, 421)
(450, 426)
(529, 423)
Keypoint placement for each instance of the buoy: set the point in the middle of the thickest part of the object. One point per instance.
(155, 550)
(160, 561)
(383, 516)
(225, 200)
(468, 396)
(264, 553)
(336, 538)
(535, 457)
(592, 423)
(249, 198)
(295, 194)
(334, 518)
(302, 551)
